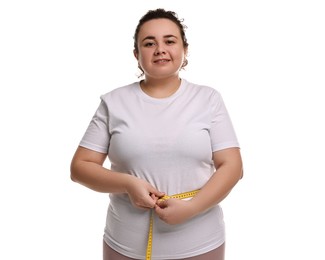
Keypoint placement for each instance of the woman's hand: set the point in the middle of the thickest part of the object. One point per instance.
(174, 211)
(142, 194)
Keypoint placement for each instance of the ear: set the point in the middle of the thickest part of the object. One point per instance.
(135, 54)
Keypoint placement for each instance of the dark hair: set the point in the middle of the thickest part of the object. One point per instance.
(158, 14)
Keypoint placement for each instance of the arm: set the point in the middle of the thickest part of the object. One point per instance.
(229, 171)
(87, 169)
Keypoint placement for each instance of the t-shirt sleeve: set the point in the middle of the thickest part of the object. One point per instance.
(222, 132)
(97, 136)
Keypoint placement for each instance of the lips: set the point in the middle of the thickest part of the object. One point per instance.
(161, 61)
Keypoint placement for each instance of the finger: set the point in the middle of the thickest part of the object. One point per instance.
(145, 207)
(159, 211)
(157, 193)
(151, 204)
(148, 205)
(162, 203)
(153, 196)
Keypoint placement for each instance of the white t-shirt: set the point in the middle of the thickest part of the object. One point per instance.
(168, 142)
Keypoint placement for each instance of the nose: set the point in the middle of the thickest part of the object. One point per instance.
(159, 50)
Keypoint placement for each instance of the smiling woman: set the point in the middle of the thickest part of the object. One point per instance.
(161, 51)
(163, 135)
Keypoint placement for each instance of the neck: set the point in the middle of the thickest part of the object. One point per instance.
(160, 88)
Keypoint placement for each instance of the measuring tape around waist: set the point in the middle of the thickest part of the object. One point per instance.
(183, 195)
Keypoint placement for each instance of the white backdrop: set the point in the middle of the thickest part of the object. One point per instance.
(265, 57)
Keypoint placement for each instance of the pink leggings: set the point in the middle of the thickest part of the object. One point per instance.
(216, 254)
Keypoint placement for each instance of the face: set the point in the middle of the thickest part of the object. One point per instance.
(161, 51)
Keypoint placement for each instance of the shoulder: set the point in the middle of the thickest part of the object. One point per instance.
(202, 90)
(121, 92)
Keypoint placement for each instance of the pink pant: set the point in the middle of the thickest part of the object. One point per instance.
(216, 254)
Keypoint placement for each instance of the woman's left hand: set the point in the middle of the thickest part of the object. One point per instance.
(174, 211)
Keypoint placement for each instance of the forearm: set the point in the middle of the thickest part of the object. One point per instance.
(217, 188)
(98, 178)
(174, 211)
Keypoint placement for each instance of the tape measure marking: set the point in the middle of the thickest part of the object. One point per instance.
(183, 195)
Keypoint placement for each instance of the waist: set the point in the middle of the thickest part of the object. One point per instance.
(127, 230)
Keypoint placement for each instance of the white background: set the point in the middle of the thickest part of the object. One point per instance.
(267, 59)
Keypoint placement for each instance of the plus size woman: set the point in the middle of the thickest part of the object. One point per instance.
(163, 135)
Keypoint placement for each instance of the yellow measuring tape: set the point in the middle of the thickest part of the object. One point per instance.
(183, 195)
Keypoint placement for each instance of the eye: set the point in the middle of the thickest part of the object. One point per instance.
(170, 42)
(149, 44)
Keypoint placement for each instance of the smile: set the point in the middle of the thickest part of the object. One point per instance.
(161, 61)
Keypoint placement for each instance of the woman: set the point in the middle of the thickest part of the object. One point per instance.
(163, 136)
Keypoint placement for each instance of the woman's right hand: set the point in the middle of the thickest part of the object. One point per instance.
(142, 194)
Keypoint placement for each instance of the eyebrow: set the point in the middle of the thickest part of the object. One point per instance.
(153, 37)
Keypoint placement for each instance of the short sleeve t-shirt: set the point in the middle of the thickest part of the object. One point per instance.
(168, 142)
